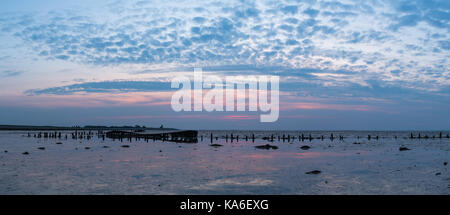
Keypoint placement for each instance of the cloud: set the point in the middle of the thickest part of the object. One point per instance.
(10, 73)
(104, 87)
(325, 35)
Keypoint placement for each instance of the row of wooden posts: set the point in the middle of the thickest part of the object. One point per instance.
(75, 135)
(302, 137)
(100, 134)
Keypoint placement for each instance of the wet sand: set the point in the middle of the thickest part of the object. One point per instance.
(348, 166)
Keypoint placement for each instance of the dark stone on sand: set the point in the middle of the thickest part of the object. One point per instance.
(357, 143)
(41, 148)
(305, 147)
(87, 147)
(105, 147)
(125, 146)
(438, 174)
(267, 146)
(403, 149)
(6, 151)
(215, 145)
(314, 172)
(25, 153)
(445, 163)
(58, 143)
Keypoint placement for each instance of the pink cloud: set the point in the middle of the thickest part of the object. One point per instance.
(322, 106)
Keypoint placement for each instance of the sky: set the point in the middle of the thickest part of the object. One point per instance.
(343, 65)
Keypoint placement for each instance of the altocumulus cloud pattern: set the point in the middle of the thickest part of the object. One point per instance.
(389, 40)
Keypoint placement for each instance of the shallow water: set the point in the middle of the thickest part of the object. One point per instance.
(371, 167)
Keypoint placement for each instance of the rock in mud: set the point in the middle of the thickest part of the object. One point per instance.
(305, 147)
(215, 145)
(58, 143)
(403, 149)
(314, 172)
(125, 146)
(25, 153)
(438, 174)
(357, 143)
(105, 147)
(87, 148)
(41, 148)
(445, 163)
(267, 147)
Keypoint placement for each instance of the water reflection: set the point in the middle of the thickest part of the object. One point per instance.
(235, 168)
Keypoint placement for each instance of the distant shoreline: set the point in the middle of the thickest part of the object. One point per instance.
(98, 127)
(55, 128)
